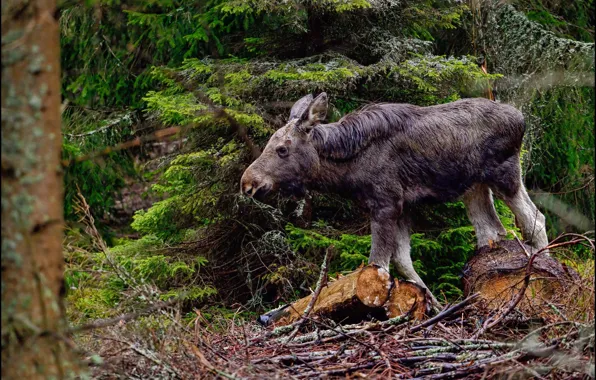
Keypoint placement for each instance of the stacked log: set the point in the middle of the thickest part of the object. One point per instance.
(370, 292)
(407, 297)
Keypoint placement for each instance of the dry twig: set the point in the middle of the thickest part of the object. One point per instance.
(322, 281)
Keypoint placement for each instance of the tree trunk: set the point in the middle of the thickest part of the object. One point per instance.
(32, 191)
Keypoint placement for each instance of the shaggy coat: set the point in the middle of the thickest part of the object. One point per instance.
(390, 156)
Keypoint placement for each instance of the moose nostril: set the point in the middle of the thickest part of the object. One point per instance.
(248, 190)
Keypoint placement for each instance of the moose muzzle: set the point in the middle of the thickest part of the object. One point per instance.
(252, 185)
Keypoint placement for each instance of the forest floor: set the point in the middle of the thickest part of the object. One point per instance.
(166, 340)
(448, 349)
(464, 340)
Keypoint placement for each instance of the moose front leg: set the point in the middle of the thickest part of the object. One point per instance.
(391, 240)
(383, 225)
(402, 259)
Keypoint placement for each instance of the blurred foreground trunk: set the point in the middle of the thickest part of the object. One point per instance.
(32, 191)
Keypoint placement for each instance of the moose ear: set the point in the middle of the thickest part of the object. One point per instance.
(317, 109)
(300, 107)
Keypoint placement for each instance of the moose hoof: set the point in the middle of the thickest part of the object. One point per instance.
(433, 305)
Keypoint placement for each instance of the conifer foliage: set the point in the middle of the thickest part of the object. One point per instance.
(226, 72)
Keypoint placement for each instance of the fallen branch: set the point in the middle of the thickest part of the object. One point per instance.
(138, 141)
(310, 356)
(123, 318)
(444, 314)
(101, 129)
(349, 329)
(152, 356)
(320, 284)
(203, 360)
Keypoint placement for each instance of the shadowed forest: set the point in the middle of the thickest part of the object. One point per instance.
(128, 250)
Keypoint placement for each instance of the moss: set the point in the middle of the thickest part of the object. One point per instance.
(92, 303)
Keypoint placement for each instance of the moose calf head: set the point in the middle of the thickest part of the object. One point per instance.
(290, 159)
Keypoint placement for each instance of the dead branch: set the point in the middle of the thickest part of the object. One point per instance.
(123, 318)
(138, 141)
(101, 129)
(152, 356)
(446, 313)
(322, 281)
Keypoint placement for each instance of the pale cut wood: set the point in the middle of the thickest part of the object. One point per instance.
(345, 299)
(351, 296)
(407, 297)
(365, 293)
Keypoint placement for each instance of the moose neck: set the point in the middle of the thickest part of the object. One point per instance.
(334, 175)
(355, 132)
(342, 146)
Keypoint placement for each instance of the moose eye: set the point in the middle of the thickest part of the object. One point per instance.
(282, 151)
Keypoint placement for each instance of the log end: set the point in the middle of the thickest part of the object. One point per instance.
(407, 297)
(273, 316)
(373, 286)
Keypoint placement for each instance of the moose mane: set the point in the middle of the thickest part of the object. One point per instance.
(356, 131)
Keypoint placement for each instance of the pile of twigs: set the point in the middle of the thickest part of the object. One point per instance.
(442, 347)
(464, 340)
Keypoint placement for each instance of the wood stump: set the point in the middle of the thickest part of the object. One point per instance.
(498, 274)
(406, 296)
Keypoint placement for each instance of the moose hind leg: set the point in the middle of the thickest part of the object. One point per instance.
(403, 261)
(530, 219)
(481, 212)
(507, 183)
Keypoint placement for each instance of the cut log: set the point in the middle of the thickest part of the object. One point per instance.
(406, 297)
(498, 274)
(347, 299)
(360, 295)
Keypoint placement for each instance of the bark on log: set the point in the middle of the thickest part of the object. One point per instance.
(353, 296)
(32, 196)
(368, 292)
(498, 273)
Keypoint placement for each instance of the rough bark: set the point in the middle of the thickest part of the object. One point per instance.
(498, 274)
(32, 191)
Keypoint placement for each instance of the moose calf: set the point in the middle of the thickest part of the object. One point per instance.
(388, 157)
